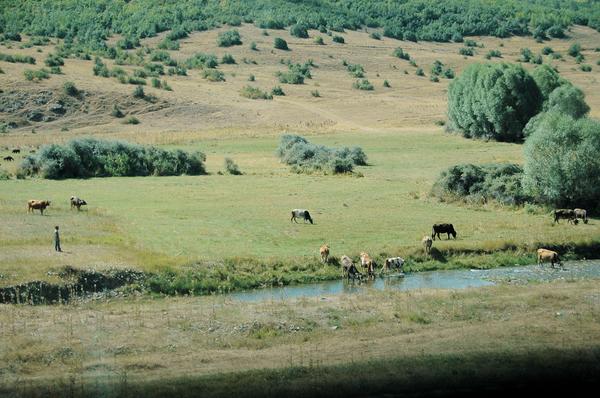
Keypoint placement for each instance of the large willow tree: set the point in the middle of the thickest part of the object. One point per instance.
(493, 101)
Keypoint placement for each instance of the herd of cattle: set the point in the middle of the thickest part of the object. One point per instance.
(349, 270)
(41, 205)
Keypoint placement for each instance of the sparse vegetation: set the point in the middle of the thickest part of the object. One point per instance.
(363, 84)
(277, 91)
(255, 93)
(132, 120)
(338, 39)
(319, 40)
(231, 167)
(493, 54)
(37, 75)
(299, 30)
(17, 58)
(399, 52)
(466, 51)
(213, 75)
(228, 59)
(70, 89)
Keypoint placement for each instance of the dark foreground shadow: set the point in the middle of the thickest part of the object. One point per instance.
(545, 373)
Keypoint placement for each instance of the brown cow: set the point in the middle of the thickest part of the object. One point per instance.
(324, 251)
(367, 262)
(37, 205)
(545, 255)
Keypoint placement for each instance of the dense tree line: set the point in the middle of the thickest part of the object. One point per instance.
(92, 21)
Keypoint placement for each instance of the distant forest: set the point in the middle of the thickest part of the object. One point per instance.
(93, 21)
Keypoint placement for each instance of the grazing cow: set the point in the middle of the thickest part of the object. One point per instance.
(442, 229)
(393, 262)
(427, 243)
(545, 255)
(37, 205)
(16, 151)
(348, 268)
(581, 213)
(77, 202)
(367, 262)
(324, 251)
(301, 213)
(567, 214)
(9, 158)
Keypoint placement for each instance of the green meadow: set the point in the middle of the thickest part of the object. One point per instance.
(384, 209)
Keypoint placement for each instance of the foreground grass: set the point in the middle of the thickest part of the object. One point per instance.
(370, 343)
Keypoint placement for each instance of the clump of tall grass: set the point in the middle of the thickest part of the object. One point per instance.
(255, 93)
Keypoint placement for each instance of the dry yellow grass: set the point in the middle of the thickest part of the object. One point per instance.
(166, 338)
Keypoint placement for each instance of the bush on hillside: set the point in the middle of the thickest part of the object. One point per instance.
(90, 157)
(299, 30)
(493, 101)
(231, 167)
(280, 44)
(229, 38)
(255, 93)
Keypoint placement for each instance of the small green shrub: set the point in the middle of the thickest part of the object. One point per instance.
(201, 60)
(466, 51)
(17, 58)
(253, 46)
(338, 39)
(356, 70)
(420, 72)
(315, 93)
(375, 36)
(228, 59)
(277, 91)
(116, 112)
(399, 53)
(386, 84)
(213, 75)
(319, 41)
(231, 167)
(586, 68)
(280, 44)
(255, 93)
(299, 30)
(493, 54)
(132, 120)
(229, 38)
(363, 84)
(138, 92)
(36, 74)
(54, 60)
(70, 89)
(251, 78)
(547, 50)
(574, 50)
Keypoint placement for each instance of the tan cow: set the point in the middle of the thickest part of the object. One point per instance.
(545, 256)
(581, 213)
(427, 243)
(367, 262)
(324, 251)
(37, 205)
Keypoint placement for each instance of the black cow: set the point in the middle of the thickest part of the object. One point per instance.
(567, 214)
(9, 158)
(16, 151)
(443, 229)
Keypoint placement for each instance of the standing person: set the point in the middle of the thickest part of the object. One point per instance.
(57, 240)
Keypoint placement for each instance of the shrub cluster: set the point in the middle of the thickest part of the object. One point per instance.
(305, 157)
(280, 44)
(13, 58)
(255, 93)
(89, 157)
(480, 183)
(229, 38)
(399, 52)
